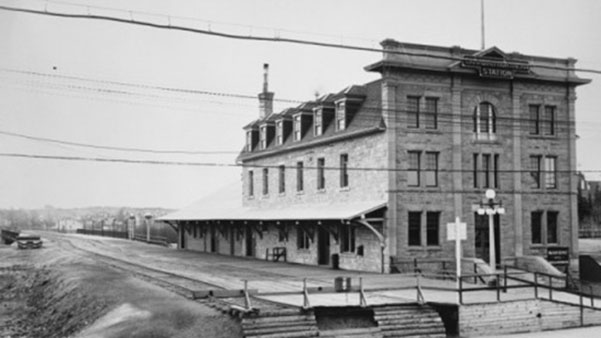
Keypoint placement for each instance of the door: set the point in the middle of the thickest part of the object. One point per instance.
(213, 238)
(482, 240)
(232, 241)
(250, 242)
(323, 246)
(182, 236)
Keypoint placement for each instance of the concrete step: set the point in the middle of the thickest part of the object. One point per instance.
(304, 334)
(272, 319)
(276, 329)
(369, 332)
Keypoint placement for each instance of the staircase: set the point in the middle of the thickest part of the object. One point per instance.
(280, 324)
(409, 320)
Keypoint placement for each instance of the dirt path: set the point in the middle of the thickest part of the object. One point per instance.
(53, 292)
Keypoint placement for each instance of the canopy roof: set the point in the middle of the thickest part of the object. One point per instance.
(226, 205)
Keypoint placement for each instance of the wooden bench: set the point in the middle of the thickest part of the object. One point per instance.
(275, 254)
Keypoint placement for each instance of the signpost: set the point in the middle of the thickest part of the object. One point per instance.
(457, 231)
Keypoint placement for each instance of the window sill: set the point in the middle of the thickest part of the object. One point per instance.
(282, 194)
(345, 188)
(423, 130)
(251, 197)
(542, 137)
(425, 248)
(303, 251)
(302, 192)
(321, 191)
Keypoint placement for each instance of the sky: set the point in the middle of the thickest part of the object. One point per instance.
(119, 85)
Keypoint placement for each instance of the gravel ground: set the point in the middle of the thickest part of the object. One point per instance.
(53, 292)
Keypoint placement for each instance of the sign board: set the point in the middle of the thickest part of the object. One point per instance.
(558, 255)
(451, 231)
(495, 69)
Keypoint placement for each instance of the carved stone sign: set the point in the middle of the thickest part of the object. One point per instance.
(496, 69)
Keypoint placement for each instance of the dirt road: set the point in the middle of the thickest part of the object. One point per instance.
(56, 292)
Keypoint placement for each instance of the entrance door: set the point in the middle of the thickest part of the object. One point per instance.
(232, 240)
(482, 240)
(182, 236)
(213, 238)
(323, 246)
(250, 242)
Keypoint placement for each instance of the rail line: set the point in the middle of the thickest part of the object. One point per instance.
(179, 284)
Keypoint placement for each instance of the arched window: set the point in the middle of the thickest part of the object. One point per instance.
(485, 119)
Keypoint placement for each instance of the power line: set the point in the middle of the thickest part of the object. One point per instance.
(132, 21)
(217, 164)
(441, 116)
(94, 146)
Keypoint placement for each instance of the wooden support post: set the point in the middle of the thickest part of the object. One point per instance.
(306, 303)
(505, 278)
(247, 304)
(498, 287)
(362, 300)
(581, 310)
(460, 290)
(550, 288)
(535, 285)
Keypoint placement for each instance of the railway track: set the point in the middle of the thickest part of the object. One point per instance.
(179, 284)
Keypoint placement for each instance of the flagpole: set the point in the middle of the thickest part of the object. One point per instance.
(482, 22)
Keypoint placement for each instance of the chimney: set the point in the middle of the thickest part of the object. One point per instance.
(266, 97)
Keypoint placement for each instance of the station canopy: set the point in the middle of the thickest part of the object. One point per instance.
(226, 205)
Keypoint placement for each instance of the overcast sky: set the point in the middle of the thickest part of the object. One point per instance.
(40, 55)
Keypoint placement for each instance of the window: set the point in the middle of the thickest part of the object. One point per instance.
(344, 170)
(249, 141)
(251, 184)
(548, 122)
(536, 223)
(302, 238)
(414, 169)
(540, 233)
(432, 228)
(431, 113)
(431, 169)
(299, 177)
(475, 171)
(265, 181)
(413, 111)
(340, 116)
(486, 171)
(485, 119)
(318, 124)
(415, 228)
(552, 227)
(263, 140)
(282, 180)
(279, 130)
(535, 169)
(534, 119)
(321, 179)
(550, 173)
(347, 238)
(297, 128)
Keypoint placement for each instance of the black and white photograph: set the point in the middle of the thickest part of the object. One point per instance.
(296, 169)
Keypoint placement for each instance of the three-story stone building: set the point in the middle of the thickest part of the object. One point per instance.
(376, 171)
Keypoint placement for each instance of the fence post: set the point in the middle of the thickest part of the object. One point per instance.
(306, 304)
(581, 310)
(475, 273)
(505, 278)
(460, 290)
(362, 300)
(498, 287)
(591, 295)
(247, 304)
(550, 287)
(535, 285)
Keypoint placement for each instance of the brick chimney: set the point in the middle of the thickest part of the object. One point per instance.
(265, 97)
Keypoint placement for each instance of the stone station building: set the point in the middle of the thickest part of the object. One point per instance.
(372, 174)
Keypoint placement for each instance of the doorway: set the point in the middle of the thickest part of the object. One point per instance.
(323, 246)
(481, 237)
(213, 238)
(250, 242)
(232, 241)
(182, 236)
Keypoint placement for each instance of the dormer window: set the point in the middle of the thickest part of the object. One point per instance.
(279, 132)
(340, 116)
(297, 128)
(263, 137)
(251, 139)
(318, 123)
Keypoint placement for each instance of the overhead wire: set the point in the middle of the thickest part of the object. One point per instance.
(131, 21)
